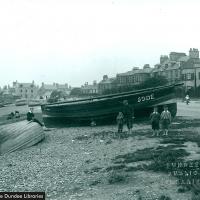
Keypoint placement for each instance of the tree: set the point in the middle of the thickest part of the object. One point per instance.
(153, 82)
(55, 96)
(148, 83)
(75, 91)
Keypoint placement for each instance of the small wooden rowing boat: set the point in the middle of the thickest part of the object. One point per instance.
(21, 102)
(35, 102)
(19, 135)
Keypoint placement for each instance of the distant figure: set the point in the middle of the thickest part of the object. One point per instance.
(93, 123)
(11, 115)
(120, 122)
(165, 120)
(128, 113)
(31, 117)
(155, 119)
(17, 115)
(187, 99)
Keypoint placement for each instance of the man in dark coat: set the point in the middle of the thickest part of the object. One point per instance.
(128, 113)
(31, 117)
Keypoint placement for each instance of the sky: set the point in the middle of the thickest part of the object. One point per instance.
(78, 41)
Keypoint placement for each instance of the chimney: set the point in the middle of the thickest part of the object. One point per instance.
(194, 53)
(163, 59)
(105, 77)
(146, 66)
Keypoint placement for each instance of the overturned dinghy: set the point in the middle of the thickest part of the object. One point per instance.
(19, 135)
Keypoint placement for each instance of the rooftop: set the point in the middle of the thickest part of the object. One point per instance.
(89, 86)
(136, 71)
(108, 80)
(26, 85)
(49, 86)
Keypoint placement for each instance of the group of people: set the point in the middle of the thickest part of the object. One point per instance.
(29, 116)
(164, 120)
(158, 120)
(126, 116)
(13, 115)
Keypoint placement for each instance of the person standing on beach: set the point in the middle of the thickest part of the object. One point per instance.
(165, 120)
(155, 119)
(120, 122)
(128, 113)
(187, 99)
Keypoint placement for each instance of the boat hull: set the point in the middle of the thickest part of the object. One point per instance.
(103, 110)
(21, 102)
(19, 135)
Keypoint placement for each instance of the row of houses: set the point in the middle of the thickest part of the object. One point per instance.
(33, 91)
(176, 67)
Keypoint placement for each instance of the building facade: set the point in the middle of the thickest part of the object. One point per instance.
(106, 84)
(87, 89)
(25, 90)
(179, 67)
(46, 89)
(134, 77)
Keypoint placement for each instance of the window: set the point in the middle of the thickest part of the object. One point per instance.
(31, 91)
(176, 72)
(171, 74)
(188, 76)
(21, 91)
(136, 78)
(199, 75)
(183, 77)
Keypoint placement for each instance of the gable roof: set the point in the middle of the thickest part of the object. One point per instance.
(49, 87)
(184, 59)
(26, 85)
(87, 87)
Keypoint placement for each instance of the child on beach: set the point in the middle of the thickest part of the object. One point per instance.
(120, 122)
(128, 113)
(155, 119)
(165, 120)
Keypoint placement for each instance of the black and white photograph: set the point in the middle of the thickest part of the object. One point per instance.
(99, 100)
